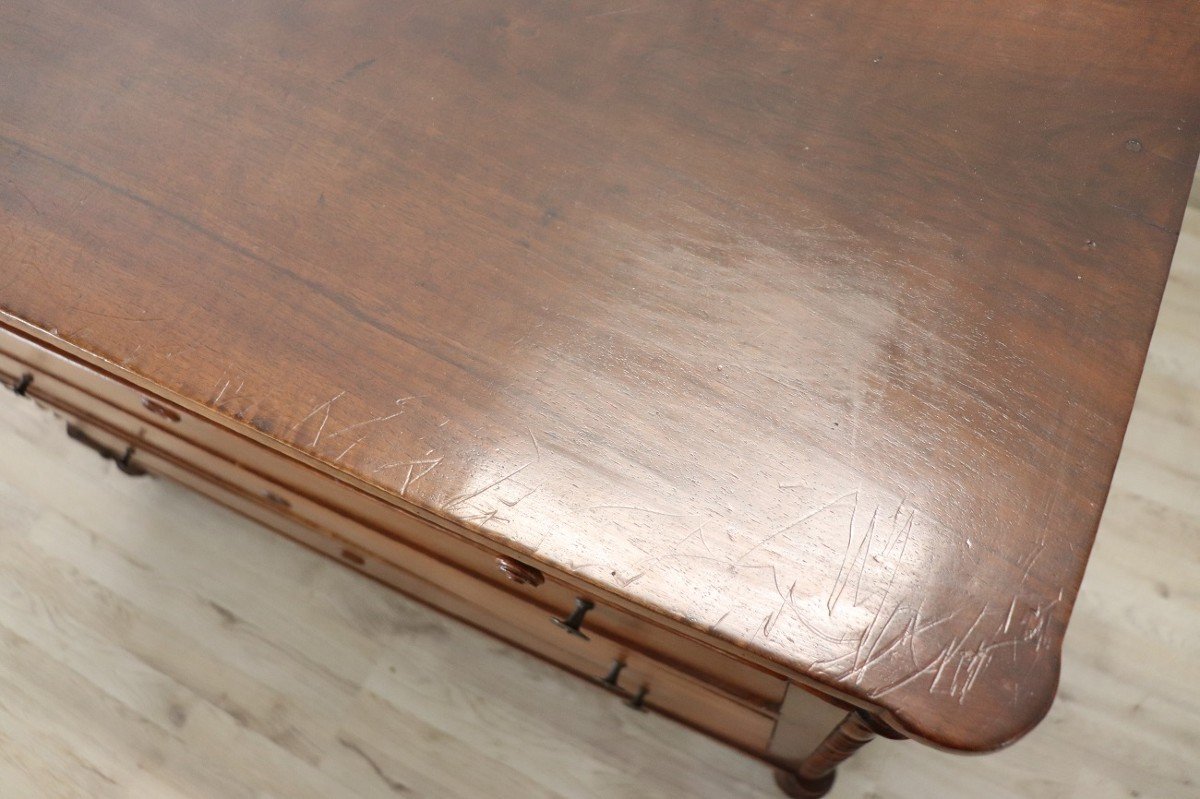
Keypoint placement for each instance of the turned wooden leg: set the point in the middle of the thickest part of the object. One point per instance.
(814, 776)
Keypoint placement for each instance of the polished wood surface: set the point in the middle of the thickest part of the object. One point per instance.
(812, 326)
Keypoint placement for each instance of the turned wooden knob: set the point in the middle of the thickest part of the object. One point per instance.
(519, 573)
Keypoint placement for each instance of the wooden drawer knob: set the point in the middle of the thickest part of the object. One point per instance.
(519, 573)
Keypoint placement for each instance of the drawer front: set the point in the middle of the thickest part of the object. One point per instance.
(641, 680)
(322, 499)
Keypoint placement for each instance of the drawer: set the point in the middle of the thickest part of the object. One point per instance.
(641, 680)
(319, 498)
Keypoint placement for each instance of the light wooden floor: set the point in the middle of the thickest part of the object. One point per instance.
(153, 644)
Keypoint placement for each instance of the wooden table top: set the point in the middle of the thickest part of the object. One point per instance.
(813, 325)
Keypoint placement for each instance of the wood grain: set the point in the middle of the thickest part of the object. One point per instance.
(813, 326)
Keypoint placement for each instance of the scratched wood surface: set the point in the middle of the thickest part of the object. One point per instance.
(145, 653)
(815, 325)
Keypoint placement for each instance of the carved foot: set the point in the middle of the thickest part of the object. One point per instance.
(799, 788)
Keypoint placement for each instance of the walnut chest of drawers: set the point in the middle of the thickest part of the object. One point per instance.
(765, 364)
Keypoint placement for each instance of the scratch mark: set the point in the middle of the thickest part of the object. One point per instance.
(536, 446)
(837, 591)
(346, 451)
(485, 517)
(762, 628)
(790, 525)
(896, 566)
(513, 504)
(581, 566)
(825, 664)
(409, 478)
(901, 530)
(363, 424)
(935, 663)
(1032, 560)
(117, 317)
(912, 636)
(910, 632)
(839, 641)
(630, 10)
(947, 653)
(956, 646)
(325, 421)
(326, 406)
(696, 532)
(672, 551)
(775, 578)
(866, 636)
(772, 619)
(1012, 643)
(933, 624)
(640, 510)
(977, 666)
(873, 657)
(489, 486)
(717, 623)
(394, 464)
(1008, 620)
(858, 648)
(865, 549)
(401, 402)
(639, 576)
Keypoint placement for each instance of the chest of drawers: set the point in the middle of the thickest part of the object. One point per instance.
(764, 364)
